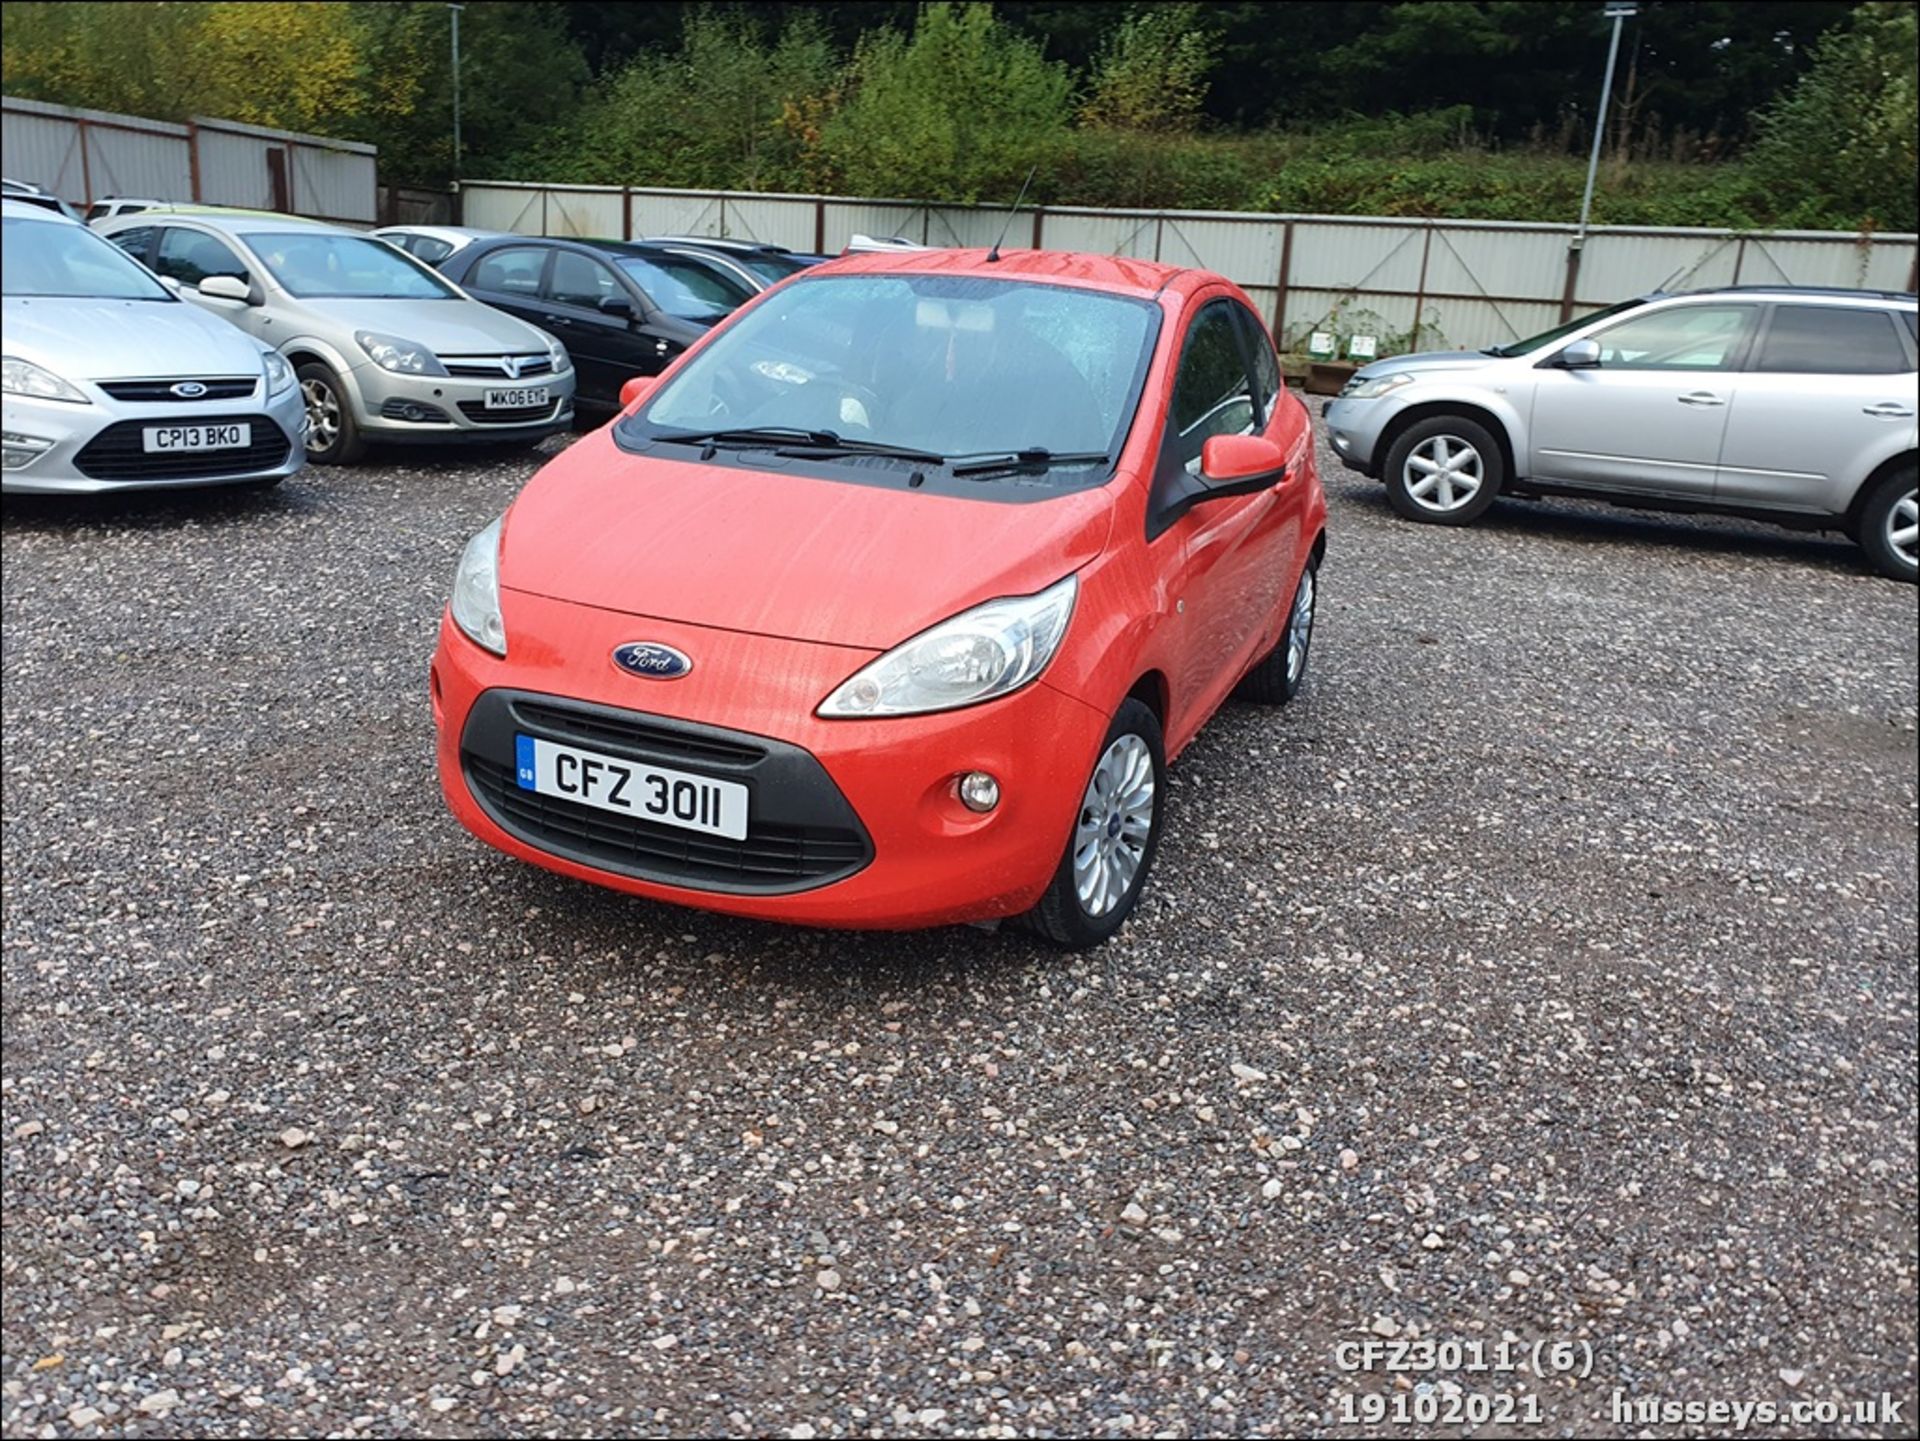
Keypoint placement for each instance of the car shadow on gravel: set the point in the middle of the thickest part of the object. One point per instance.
(1594, 523)
(150, 509)
(838, 963)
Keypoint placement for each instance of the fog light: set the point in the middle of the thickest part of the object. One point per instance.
(979, 791)
(22, 450)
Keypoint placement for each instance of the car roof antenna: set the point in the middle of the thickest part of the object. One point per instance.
(993, 255)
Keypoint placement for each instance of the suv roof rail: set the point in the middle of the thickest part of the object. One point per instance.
(1804, 290)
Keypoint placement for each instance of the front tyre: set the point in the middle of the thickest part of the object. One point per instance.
(332, 436)
(1890, 525)
(1115, 834)
(1444, 470)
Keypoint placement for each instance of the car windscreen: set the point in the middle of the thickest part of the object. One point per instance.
(952, 366)
(315, 265)
(685, 288)
(770, 267)
(1559, 332)
(40, 257)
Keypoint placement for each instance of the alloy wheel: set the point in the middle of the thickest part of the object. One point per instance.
(1443, 473)
(1903, 527)
(1116, 819)
(1300, 627)
(323, 415)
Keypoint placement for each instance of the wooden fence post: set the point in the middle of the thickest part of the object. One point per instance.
(1286, 276)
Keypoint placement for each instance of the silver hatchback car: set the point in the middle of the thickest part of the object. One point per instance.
(1791, 405)
(386, 348)
(113, 384)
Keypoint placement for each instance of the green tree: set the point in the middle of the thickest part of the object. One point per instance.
(957, 111)
(1152, 75)
(1840, 147)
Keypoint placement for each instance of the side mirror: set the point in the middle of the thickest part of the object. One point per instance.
(1240, 465)
(635, 389)
(1581, 355)
(170, 283)
(617, 305)
(227, 287)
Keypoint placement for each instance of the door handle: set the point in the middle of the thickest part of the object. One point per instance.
(1701, 397)
(1888, 410)
(556, 320)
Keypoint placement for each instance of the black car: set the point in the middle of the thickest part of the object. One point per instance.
(620, 309)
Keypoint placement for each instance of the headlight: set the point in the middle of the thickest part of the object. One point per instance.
(403, 357)
(476, 592)
(558, 353)
(982, 653)
(1376, 385)
(25, 378)
(279, 373)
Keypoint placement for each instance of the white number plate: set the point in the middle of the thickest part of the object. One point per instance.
(197, 437)
(518, 399)
(647, 793)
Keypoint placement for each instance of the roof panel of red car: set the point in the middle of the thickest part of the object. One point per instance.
(1105, 272)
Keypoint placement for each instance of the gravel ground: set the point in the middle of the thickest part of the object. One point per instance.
(1548, 973)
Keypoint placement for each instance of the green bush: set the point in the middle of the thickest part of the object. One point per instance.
(959, 110)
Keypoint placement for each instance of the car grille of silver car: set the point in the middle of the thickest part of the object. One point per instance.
(181, 388)
(496, 365)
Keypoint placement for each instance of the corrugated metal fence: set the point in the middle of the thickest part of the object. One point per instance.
(85, 155)
(1412, 283)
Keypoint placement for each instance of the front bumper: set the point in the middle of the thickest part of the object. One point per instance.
(1354, 428)
(865, 827)
(441, 408)
(84, 449)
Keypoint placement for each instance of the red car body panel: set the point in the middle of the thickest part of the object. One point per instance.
(783, 586)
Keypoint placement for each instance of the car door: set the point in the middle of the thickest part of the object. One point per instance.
(1826, 398)
(190, 256)
(1650, 417)
(598, 317)
(509, 278)
(1219, 553)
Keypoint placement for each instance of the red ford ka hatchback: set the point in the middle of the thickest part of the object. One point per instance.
(888, 604)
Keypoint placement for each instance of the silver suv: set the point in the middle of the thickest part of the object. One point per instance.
(386, 348)
(1783, 404)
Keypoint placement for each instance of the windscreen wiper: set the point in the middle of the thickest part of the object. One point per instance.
(1033, 460)
(796, 440)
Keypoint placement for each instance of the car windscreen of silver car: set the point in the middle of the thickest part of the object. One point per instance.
(39, 257)
(315, 266)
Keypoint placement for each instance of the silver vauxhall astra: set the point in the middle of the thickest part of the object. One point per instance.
(386, 348)
(112, 383)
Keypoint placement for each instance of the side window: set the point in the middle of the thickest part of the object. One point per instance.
(1689, 337)
(1266, 365)
(1211, 394)
(1831, 340)
(514, 270)
(137, 242)
(190, 256)
(578, 280)
(430, 250)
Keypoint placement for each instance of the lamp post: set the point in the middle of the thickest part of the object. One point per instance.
(1618, 14)
(456, 9)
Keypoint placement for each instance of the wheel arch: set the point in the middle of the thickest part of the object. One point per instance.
(1499, 426)
(1904, 460)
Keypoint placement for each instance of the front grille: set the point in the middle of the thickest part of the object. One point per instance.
(801, 831)
(770, 856)
(118, 453)
(161, 391)
(489, 365)
(653, 742)
(477, 412)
